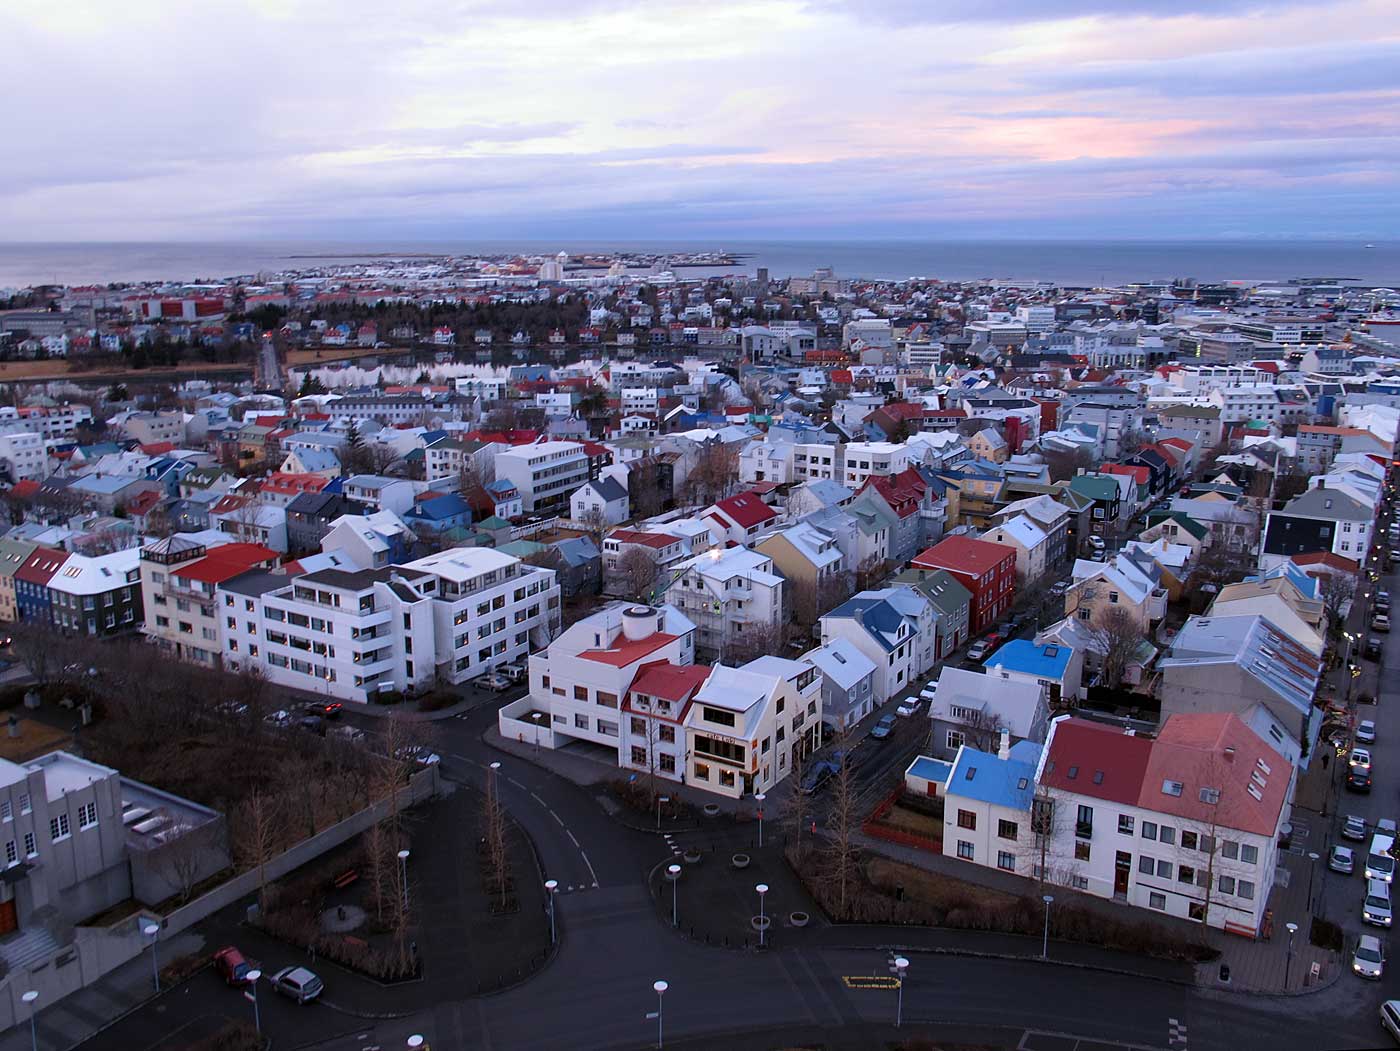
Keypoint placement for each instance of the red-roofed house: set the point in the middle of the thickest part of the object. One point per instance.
(662, 548)
(986, 569)
(740, 518)
(653, 730)
(280, 489)
(1186, 824)
(178, 579)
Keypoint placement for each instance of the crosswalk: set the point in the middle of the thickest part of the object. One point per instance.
(1176, 1034)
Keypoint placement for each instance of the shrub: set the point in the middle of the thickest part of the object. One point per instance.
(1325, 934)
(437, 701)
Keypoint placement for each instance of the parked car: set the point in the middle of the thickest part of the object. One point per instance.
(1354, 828)
(1358, 780)
(232, 965)
(1373, 648)
(312, 724)
(983, 648)
(280, 718)
(1380, 622)
(1368, 961)
(1390, 1018)
(1342, 859)
(1375, 909)
(1097, 545)
(1059, 588)
(907, 707)
(1360, 759)
(818, 774)
(418, 754)
(325, 709)
(513, 672)
(298, 983)
(1380, 858)
(1366, 731)
(493, 680)
(883, 728)
(349, 734)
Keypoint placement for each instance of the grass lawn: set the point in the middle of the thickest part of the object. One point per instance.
(913, 821)
(942, 892)
(35, 739)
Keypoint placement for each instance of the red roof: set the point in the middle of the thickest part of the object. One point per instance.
(629, 651)
(41, 565)
(904, 492)
(1327, 558)
(1141, 475)
(746, 510)
(1096, 760)
(157, 448)
(962, 554)
(632, 536)
(670, 682)
(25, 489)
(505, 437)
(229, 560)
(1177, 443)
(143, 502)
(287, 482)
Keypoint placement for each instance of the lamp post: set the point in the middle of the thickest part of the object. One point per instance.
(416, 1041)
(1313, 857)
(659, 801)
(759, 798)
(673, 873)
(551, 885)
(901, 965)
(1049, 900)
(660, 987)
(253, 977)
(762, 889)
(1288, 965)
(29, 998)
(152, 931)
(403, 876)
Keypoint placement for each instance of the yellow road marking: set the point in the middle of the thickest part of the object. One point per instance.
(870, 981)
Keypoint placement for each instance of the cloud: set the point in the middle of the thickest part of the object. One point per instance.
(944, 12)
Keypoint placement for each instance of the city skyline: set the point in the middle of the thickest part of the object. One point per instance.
(828, 118)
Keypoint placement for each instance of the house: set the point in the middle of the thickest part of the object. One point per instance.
(1056, 667)
(987, 570)
(734, 598)
(951, 603)
(1050, 516)
(310, 515)
(816, 569)
(1248, 666)
(987, 809)
(438, 514)
(13, 554)
(1186, 824)
(545, 473)
(1287, 598)
(1319, 520)
(1100, 588)
(1107, 497)
(740, 518)
(969, 707)
(94, 595)
(369, 541)
(602, 498)
(848, 682)
(1029, 541)
(179, 578)
(379, 492)
(880, 632)
(664, 549)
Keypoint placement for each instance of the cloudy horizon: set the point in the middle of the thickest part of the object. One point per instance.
(437, 120)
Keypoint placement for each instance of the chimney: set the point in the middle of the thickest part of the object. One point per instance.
(1004, 747)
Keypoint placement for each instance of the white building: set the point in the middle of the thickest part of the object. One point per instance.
(728, 593)
(545, 473)
(863, 459)
(22, 453)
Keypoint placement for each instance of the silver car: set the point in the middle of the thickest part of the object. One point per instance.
(1342, 860)
(298, 983)
(1354, 828)
(1368, 961)
(1366, 731)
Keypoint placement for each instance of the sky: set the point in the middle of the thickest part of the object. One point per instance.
(646, 119)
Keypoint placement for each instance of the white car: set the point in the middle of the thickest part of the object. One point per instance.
(1368, 961)
(1342, 859)
(281, 718)
(1366, 731)
(1375, 908)
(1360, 759)
(1354, 828)
(298, 983)
(1390, 1018)
(908, 707)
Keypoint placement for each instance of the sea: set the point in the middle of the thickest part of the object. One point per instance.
(1063, 263)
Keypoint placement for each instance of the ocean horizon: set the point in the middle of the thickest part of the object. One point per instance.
(1060, 262)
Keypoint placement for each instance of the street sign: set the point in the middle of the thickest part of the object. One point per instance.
(653, 1015)
(248, 996)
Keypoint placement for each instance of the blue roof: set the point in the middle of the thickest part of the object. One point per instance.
(1294, 574)
(930, 769)
(1006, 782)
(1044, 662)
(450, 505)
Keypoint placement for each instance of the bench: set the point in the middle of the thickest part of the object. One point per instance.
(346, 878)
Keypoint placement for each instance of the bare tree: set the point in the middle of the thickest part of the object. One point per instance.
(842, 823)
(255, 832)
(797, 805)
(715, 474)
(980, 729)
(594, 524)
(493, 830)
(1045, 823)
(636, 575)
(755, 640)
(812, 599)
(1117, 636)
(1336, 591)
(180, 859)
(871, 572)
(39, 648)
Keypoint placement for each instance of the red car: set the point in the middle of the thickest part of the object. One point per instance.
(232, 965)
(325, 709)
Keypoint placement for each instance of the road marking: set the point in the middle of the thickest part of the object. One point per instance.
(517, 784)
(572, 840)
(583, 855)
(1176, 1033)
(556, 817)
(538, 800)
(870, 981)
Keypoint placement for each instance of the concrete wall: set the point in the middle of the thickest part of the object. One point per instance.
(96, 951)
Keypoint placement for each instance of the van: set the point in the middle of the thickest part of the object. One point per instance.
(1380, 862)
(1376, 908)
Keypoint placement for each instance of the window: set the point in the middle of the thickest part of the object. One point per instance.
(967, 819)
(59, 828)
(668, 734)
(668, 764)
(639, 726)
(965, 850)
(1245, 889)
(1248, 854)
(1081, 850)
(1157, 901)
(1149, 830)
(24, 806)
(1164, 869)
(7, 812)
(1006, 861)
(1227, 884)
(1125, 824)
(955, 739)
(1146, 866)
(580, 693)
(1189, 840)
(639, 756)
(607, 700)
(1084, 823)
(1185, 874)
(87, 815)
(31, 846)
(11, 853)
(1166, 834)
(1007, 829)
(581, 721)
(1229, 849)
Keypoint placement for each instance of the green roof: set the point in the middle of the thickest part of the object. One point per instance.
(492, 524)
(522, 548)
(1094, 486)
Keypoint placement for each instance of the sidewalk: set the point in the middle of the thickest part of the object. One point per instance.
(77, 1017)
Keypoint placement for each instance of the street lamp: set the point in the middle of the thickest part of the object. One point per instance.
(660, 987)
(762, 889)
(673, 873)
(659, 801)
(551, 885)
(1288, 965)
(759, 798)
(901, 965)
(253, 977)
(1049, 900)
(416, 1041)
(29, 998)
(152, 931)
(403, 876)
(1313, 857)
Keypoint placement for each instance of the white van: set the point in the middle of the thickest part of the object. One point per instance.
(1380, 862)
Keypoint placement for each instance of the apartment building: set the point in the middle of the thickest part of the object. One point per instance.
(22, 453)
(150, 427)
(91, 595)
(379, 492)
(351, 634)
(54, 421)
(13, 554)
(733, 596)
(179, 578)
(544, 473)
(864, 459)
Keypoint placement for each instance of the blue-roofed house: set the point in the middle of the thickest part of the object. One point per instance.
(1057, 667)
(926, 776)
(878, 630)
(988, 798)
(439, 513)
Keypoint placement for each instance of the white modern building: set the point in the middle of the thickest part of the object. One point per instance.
(863, 459)
(544, 473)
